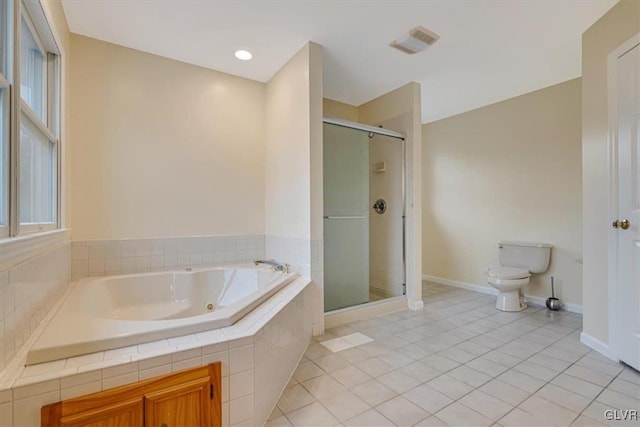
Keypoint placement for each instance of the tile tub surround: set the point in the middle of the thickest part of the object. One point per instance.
(258, 353)
(28, 291)
(306, 257)
(125, 256)
(291, 250)
(317, 277)
(458, 362)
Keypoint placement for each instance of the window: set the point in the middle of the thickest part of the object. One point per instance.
(38, 172)
(38, 150)
(6, 38)
(29, 120)
(33, 69)
(5, 112)
(4, 157)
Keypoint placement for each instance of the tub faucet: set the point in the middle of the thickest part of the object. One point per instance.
(275, 264)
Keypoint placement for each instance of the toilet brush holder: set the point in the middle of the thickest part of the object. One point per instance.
(553, 303)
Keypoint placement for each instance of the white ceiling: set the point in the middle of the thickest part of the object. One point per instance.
(488, 50)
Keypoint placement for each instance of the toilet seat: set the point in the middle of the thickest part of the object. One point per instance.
(509, 273)
(509, 282)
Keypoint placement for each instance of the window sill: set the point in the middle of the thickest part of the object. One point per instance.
(15, 250)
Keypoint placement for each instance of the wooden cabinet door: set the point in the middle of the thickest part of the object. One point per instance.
(183, 405)
(190, 398)
(124, 414)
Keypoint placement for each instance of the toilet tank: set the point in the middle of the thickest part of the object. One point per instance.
(533, 256)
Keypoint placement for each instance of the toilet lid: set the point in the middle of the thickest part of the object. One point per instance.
(509, 273)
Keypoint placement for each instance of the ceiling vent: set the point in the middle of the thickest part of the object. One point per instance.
(417, 40)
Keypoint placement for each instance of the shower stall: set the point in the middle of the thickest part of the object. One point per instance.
(364, 219)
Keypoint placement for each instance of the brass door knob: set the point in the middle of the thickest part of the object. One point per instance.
(624, 224)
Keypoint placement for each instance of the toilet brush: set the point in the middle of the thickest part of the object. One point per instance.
(553, 303)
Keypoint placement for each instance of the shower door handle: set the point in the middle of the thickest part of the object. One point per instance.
(344, 217)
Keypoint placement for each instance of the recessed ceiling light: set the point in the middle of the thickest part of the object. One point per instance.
(243, 55)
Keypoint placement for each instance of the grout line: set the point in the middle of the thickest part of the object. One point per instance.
(538, 352)
(437, 302)
(598, 395)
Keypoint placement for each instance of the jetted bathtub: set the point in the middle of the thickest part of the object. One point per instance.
(111, 312)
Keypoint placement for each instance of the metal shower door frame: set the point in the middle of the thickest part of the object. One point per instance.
(403, 138)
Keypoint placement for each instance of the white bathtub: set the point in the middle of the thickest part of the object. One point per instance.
(111, 312)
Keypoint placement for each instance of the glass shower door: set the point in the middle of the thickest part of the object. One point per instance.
(346, 217)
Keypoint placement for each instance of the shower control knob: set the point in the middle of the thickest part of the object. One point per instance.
(380, 206)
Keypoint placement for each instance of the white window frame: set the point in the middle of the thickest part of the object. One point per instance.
(27, 114)
(46, 82)
(48, 127)
(6, 139)
(42, 31)
(6, 76)
(6, 25)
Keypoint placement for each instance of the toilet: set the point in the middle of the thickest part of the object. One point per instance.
(518, 261)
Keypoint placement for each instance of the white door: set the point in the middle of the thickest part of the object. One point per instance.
(628, 221)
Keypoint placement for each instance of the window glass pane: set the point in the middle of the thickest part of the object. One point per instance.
(53, 110)
(5, 37)
(32, 72)
(38, 165)
(4, 157)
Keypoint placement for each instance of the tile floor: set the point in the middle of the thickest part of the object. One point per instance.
(458, 362)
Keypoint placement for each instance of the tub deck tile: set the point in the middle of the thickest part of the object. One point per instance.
(116, 361)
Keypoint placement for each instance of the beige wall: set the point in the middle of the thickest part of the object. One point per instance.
(316, 140)
(162, 148)
(400, 110)
(293, 178)
(508, 171)
(614, 28)
(339, 110)
(288, 158)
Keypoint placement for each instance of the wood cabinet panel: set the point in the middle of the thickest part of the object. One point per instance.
(125, 414)
(181, 405)
(186, 398)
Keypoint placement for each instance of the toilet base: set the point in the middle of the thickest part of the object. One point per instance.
(511, 301)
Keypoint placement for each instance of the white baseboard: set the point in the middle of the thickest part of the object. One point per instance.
(598, 346)
(535, 300)
(462, 285)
